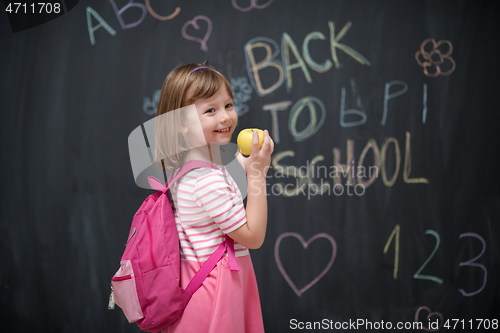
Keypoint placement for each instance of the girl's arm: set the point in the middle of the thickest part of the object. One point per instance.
(252, 233)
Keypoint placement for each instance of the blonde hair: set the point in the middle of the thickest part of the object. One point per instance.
(181, 88)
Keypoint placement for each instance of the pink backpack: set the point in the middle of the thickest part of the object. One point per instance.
(146, 287)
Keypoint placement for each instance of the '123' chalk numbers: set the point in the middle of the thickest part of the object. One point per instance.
(395, 236)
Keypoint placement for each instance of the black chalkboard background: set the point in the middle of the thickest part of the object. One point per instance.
(72, 91)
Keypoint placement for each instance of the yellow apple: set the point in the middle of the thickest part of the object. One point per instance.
(245, 139)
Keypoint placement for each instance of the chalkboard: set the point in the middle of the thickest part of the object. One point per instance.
(384, 202)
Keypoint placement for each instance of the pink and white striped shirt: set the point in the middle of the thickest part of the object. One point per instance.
(207, 205)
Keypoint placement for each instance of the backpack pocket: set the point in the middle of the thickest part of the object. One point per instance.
(125, 292)
(164, 296)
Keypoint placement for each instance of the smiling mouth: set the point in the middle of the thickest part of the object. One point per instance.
(224, 130)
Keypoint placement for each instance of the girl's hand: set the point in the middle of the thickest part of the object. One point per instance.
(257, 164)
(252, 233)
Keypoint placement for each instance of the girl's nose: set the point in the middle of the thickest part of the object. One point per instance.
(223, 116)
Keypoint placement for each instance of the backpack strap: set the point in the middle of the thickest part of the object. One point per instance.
(155, 184)
(228, 243)
(210, 264)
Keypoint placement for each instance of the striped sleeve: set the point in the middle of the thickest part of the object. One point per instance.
(219, 198)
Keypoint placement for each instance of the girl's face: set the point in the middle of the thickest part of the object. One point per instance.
(217, 117)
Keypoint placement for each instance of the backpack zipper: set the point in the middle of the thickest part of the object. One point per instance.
(121, 278)
(111, 302)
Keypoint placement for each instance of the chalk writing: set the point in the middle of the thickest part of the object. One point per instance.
(274, 108)
(102, 24)
(417, 275)
(472, 263)
(383, 152)
(129, 5)
(254, 67)
(193, 22)
(305, 245)
(334, 45)
(287, 45)
(433, 60)
(314, 124)
(253, 4)
(372, 144)
(355, 175)
(344, 113)
(159, 17)
(320, 68)
(284, 66)
(395, 234)
(344, 168)
(388, 96)
(379, 161)
(424, 107)
(407, 165)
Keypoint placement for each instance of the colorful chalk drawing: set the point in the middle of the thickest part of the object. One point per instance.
(253, 4)
(434, 59)
(193, 22)
(305, 245)
(242, 93)
(430, 316)
(150, 105)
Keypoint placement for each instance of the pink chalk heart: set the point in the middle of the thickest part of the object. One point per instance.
(305, 244)
(193, 22)
(429, 316)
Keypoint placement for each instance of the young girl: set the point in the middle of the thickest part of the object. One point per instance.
(208, 204)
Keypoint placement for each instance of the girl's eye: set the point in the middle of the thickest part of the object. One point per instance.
(212, 110)
(229, 106)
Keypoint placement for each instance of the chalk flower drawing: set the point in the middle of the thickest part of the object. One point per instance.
(433, 59)
(150, 105)
(242, 92)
